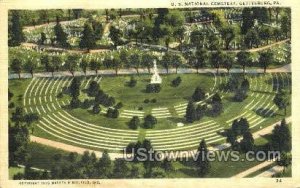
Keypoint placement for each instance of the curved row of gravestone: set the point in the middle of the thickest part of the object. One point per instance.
(189, 136)
(63, 126)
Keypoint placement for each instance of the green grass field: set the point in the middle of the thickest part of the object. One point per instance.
(82, 128)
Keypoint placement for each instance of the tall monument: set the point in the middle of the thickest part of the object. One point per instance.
(155, 79)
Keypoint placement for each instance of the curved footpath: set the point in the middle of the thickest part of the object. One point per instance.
(285, 68)
(113, 156)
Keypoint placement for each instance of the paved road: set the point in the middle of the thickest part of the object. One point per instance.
(286, 68)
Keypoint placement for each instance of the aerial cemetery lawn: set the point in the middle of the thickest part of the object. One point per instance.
(169, 80)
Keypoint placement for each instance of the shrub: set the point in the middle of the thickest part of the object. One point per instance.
(74, 103)
(153, 88)
(86, 103)
(96, 109)
(146, 101)
(153, 100)
(149, 122)
(134, 123)
(112, 113)
(93, 88)
(198, 95)
(119, 105)
(132, 82)
(176, 82)
(140, 108)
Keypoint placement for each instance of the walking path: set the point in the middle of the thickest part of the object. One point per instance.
(113, 156)
(286, 68)
(253, 169)
(270, 172)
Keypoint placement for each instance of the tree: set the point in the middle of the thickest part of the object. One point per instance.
(200, 111)
(93, 88)
(43, 38)
(104, 165)
(202, 162)
(190, 114)
(74, 87)
(121, 168)
(228, 61)
(166, 61)
(201, 56)
(261, 14)
(157, 173)
(231, 137)
(179, 35)
(137, 171)
(88, 40)
(285, 159)
(216, 105)
(167, 165)
(213, 41)
(135, 61)
(83, 65)
(176, 61)
(166, 31)
(95, 65)
(149, 122)
(281, 100)
(198, 94)
(18, 115)
(115, 34)
(116, 63)
(285, 24)
(247, 20)
(30, 118)
(217, 59)
(265, 59)
(18, 143)
(228, 34)
(16, 36)
(61, 36)
(16, 66)
(56, 62)
(277, 34)
(77, 13)
(247, 143)
(197, 38)
(45, 61)
(134, 123)
(147, 61)
(281, 137)
(244, 59)
(251, 38)
(30, 66)
(71, 64)
(265, 33)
